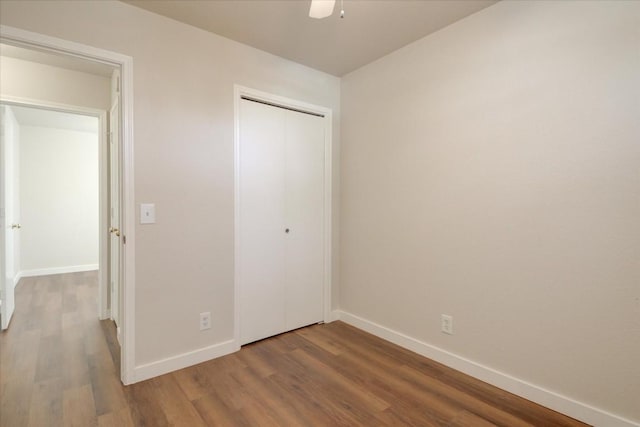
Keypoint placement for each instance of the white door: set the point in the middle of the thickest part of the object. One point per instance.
(114, 212)
(281, 213)
(304, 214)
(9, 212)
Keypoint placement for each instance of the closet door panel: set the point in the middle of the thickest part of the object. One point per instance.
(304, 210)
(261, 215)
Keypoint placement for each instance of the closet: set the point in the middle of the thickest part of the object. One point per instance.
(281, 219)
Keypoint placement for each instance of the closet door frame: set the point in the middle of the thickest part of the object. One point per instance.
(241, 92)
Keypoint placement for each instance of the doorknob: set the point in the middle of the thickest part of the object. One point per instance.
(114, 231)
(16, 226)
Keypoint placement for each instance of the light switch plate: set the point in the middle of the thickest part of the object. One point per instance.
(147, 213)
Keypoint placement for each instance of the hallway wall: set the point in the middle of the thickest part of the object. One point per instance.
(59, 200)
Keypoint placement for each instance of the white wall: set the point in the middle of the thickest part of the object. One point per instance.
(31, 80)
(183, 132)
(490, 171)
(59, 199)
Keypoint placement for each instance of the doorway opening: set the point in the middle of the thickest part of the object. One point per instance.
(115, 214)
(51, 175)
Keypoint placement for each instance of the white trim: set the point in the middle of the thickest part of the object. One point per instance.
(184, 360)
(328, 214)
(335, 315)
(101, 115)
(58, 270)
(103, 220)
(236, 212)
(18, 36)
(540, 395)
(240, 91)
(49, 105)
(16, 280)
(128, 267)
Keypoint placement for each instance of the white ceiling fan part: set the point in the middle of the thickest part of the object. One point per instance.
(321, 8)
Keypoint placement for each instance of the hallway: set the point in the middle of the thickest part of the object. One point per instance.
(59, 363)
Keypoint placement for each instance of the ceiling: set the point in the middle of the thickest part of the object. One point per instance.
(27, 116)
(55, 60)
(369, 30)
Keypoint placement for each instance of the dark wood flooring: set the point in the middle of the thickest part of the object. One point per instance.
(59, 366)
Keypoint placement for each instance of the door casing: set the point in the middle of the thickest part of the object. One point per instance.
(32, 40)
(114, 213)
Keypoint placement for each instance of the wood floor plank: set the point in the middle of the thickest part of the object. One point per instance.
(456, 397)
(323, 341)
(393, 417)
(306, 410)
(46, 403)
(111, 341)
(15, 404)
(215, 413)
(59, 365)
(50, 358)
(75, 366)
(337, 382)
(263, 392)
(19, 357)
(108, 392)
(78, 407)
(145, 407)
(193, 383)
(519, 407)
(361, 343)
(376, 373)
(226, 388)
(408, 403)
(468, 419)
(119, 418)
(251, 357)
(258, 413)
(174, 403)
(332, 402)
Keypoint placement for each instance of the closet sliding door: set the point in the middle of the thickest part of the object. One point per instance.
(281, 214)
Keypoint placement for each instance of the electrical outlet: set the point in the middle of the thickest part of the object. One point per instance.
(446, 324)
(205, 320)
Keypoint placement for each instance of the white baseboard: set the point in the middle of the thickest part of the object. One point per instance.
(58, 270)
(174, 363)
(17, 278)
(335, 315)
(535, 393)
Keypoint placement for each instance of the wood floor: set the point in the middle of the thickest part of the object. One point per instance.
(59, 366)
